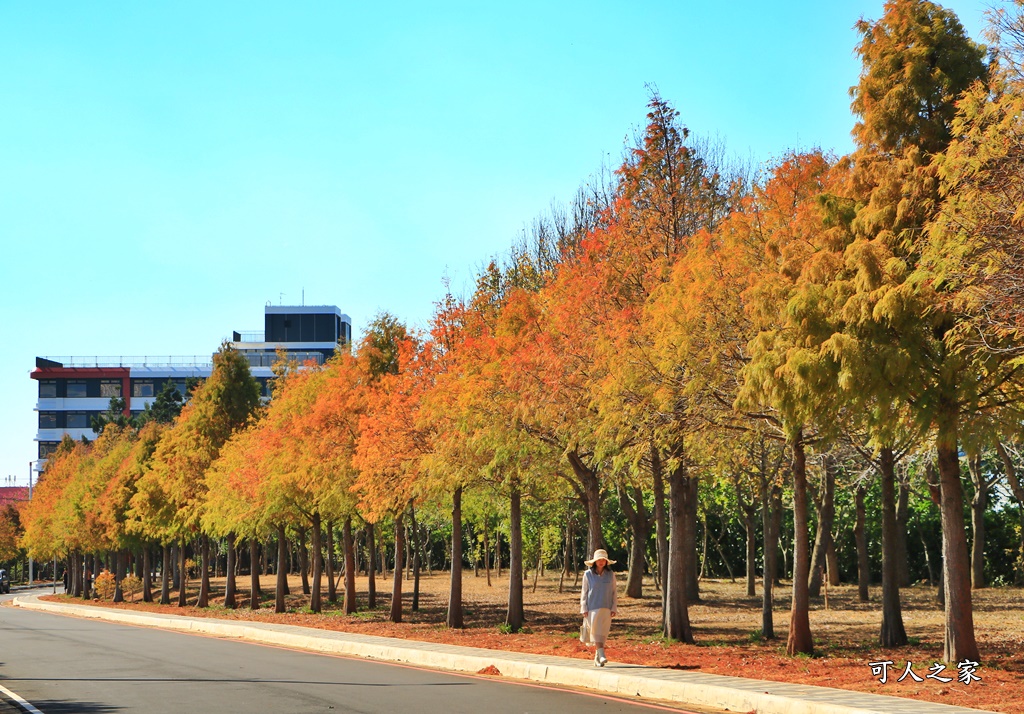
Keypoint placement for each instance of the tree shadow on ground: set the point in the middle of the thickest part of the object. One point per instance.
(68, 706)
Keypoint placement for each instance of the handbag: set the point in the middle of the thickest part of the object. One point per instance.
(585, 631)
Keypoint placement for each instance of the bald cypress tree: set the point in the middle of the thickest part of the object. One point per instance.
(917, 62)
(219, 407)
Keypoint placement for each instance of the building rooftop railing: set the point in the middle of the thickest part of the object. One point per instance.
(269, 359)
(250, 336)
(256, 359)
(136, 361)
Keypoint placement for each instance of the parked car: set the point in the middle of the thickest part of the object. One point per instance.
(5, 582)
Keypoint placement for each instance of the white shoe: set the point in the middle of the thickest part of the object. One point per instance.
(600, 659)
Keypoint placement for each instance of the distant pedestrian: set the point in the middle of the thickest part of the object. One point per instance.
(598, 603)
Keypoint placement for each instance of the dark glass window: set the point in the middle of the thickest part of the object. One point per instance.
(110, 388)
(47, 420)
(77, 388)
(78, 420)
(47, 388)
(142, 388)
(46, 448)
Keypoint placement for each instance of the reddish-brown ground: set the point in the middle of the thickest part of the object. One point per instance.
(725, 624)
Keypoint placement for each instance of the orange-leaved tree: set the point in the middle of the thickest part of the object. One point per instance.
(391, 446)
(782, 381)
(172, 493)
(234, 505)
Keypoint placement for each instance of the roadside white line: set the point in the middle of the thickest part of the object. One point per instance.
(21, 702)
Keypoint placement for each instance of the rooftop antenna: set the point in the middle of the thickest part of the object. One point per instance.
(303, 297)
(280, 299)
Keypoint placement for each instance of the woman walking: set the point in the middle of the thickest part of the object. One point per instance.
(598, 603)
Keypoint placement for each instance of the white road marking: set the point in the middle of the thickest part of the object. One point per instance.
(21, 702)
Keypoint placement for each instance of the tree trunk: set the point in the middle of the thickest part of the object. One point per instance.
(75, 569)
(800, 640)
(902, 519)
(497, 551)
(183, 576)
(940, 595)
(703, 552)
(455, 591)
(415, 560)
(515, 616)
(396, 588)
(677, 615)
(565, 552)
(893, 633)
(315, 603)
(166, 568)
(229, 573)
(690, 538)
(771, 502)
(861, 537)
(832, 562)
(591, 488)
(120, 565)
(254, 573)
(640, 527)
(540, 561)
(147, 573)
(749, 528)
(932, 580)
(332, 590)
(475, 550)
(935, 493)
(960, 643)
(304, 561)
(826, 517)
(487, 553)
(660, 522)
(349, 604)
(979, 503)
(282, 570)
(86, 578)
(204, 580)
(371, 568)
(408, 556)
(175, 568)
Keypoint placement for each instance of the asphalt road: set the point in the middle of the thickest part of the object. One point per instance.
(72, 666)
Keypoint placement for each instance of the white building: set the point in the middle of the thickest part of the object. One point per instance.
(72, 390)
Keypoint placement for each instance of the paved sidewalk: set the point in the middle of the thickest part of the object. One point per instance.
(712, 691)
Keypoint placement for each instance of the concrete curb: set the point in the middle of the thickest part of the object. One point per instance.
(732, 694)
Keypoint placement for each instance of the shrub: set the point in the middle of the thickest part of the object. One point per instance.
(104, 585)
(130, 585)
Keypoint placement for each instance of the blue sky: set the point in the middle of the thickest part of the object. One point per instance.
(166, 169)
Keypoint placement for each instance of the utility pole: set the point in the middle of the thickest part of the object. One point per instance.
(30, 564)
